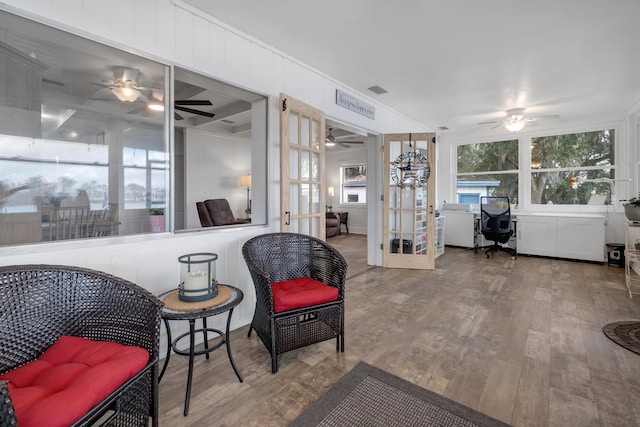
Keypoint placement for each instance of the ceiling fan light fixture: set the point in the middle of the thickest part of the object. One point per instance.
(330, 144)
(125, 93)
(514, 125)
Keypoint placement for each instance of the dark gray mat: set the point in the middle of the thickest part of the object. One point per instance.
(368, 396)
(625, 334)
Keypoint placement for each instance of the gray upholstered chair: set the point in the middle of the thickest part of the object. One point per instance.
(332, 224)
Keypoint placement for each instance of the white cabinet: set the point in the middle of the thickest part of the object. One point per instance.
(581, 238)
(440, 233)
(563, 236)
(460, 228)
(537, 235)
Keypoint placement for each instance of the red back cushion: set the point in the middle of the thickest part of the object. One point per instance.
(69, 378)
(301, 292)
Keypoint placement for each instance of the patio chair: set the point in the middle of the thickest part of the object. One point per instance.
(299, 282)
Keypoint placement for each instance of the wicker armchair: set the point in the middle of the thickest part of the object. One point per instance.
(40, 303)
(278, 257)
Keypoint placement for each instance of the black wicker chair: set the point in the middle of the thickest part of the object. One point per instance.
(40, 303)
(277, 257)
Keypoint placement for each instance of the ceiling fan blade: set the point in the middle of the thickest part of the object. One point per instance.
(137, 110)
(488, 123)
(350, 142)
(497, 126)
(177, 116)
(192, 111)
(553, 116)
(193, 102)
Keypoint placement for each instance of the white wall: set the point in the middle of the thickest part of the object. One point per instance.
(167, 31)
(226, 160)
(335, 159)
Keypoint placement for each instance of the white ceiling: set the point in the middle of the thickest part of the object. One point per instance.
(458, 63)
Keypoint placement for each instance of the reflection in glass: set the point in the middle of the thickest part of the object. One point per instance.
(71, 123)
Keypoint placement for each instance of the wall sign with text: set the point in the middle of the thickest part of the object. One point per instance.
(354, 104)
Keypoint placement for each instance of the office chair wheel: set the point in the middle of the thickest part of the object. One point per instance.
(488, 256)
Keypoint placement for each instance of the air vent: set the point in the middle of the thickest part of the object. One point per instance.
(377, 89)
(443, 128)
(227, 121)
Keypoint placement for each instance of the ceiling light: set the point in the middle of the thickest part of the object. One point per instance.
(125, 93)
(515, 119)
(156, 106)
(515, 125)
(330, 144)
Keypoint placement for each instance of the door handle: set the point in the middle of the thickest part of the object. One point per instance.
(288, 214)
(430, 209)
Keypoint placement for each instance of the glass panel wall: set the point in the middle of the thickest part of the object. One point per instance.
(86, 127)
(76, 133)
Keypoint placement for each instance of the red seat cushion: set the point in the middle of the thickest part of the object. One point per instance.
(301, 292)
(69, 378)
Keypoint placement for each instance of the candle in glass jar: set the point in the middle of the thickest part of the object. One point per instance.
(196, 280)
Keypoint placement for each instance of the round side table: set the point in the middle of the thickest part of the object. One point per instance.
(174, 309)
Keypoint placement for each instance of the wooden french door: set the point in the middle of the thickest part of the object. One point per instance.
(302, 192)
(409, 198)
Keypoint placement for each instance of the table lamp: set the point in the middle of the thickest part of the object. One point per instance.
(245, 181)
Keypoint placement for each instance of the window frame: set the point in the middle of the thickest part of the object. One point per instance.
(343, 196)
(516, 172)
(524, 178)
(164, 143)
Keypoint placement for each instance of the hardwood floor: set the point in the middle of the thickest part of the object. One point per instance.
(518, 340)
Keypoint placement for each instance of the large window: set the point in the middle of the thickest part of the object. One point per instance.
(353, 184)
(84, 140)
(487, 169)
(573, 169)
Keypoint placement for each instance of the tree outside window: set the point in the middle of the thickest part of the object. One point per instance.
(487, 169)
(558, 160)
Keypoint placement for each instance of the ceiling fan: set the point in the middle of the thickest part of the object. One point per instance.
(331, 140)
(516, 120)
(155, 103)
(124, 86)
(181, 106)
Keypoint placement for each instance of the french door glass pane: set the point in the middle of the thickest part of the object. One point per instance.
(293, 198)
(305, 199)
(304, 165)
(293, 128)
(304, 132)
(293, 164)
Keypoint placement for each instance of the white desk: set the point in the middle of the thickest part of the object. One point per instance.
(561, 235)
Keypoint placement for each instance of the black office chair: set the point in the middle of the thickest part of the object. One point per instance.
(495, 224)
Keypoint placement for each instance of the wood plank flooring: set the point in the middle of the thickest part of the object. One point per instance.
(518, 340)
